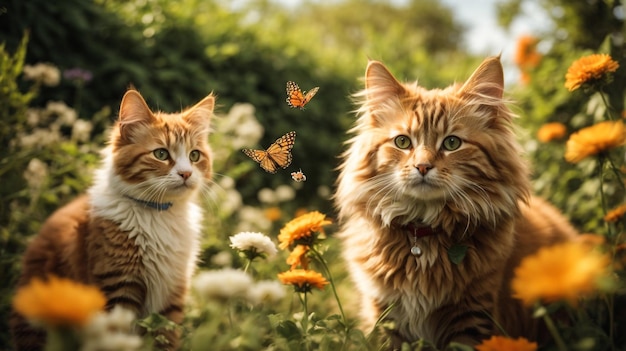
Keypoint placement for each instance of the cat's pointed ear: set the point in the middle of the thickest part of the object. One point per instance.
(133, 112)
(200, 114)
(487, 80)
(380, 84)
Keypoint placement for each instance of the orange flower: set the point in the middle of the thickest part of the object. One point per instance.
(273, 213)
(561, 272)
(595, 139)
(551, 131)
(526, 55)
(589, 69)
(58, 302)
(501, 343)
(615, 214)
(300, 229)
(297, 257)
(303, 279)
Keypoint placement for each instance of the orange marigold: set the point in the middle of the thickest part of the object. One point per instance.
(592, 140)
(501, 343)
(551, 131)
(297, 257)
(615, 214)
(303, 279)
(560, 272)
(526, 55)
(300, 229)
(58, 302)
(273, 213)
(588, 69)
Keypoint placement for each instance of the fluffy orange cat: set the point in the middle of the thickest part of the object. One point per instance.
(431, 177)
(135, 234)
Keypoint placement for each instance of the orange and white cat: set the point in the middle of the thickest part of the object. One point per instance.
(429, 178)
(135, 234)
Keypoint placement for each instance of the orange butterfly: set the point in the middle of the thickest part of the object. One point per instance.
(277, 155)
(295, 96)
(298, 176)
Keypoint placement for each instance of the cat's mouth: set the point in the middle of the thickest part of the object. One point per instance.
(426, 190)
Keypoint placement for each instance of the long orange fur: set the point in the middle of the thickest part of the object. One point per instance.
(476, 196)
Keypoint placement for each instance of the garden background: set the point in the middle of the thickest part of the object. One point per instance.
(176, 52)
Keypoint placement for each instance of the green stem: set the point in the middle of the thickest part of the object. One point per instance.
(618, 174)
(245, 269)
(606, 103)
(305, 317)
(555, 333)
(332, 285)
(602, 195)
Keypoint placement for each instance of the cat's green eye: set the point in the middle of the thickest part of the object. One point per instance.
(452, 143)
(402, 141)
(194, 156)
(161, 154)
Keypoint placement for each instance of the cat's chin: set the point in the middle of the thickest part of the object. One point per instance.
(425, 192)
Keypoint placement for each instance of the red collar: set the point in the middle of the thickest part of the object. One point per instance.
(418, 230)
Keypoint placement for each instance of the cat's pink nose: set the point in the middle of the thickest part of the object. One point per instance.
(423, 168)
(185, 175)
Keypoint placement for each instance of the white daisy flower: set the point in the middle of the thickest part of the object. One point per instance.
(253, 243)
(222, 284)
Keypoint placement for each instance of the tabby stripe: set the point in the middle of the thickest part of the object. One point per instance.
(470, 316)
(124, 301)
(172, 308)
(492, 163)
(108, 275)
(109, 288)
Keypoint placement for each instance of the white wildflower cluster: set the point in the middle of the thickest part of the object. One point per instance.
(46, 126)
(62, 114)
(45, 73)
(222, 284)
(35, 174)
(112, 331)
(266, 292)
(241, 125)
(282, 193)
(231, 283)
(252, 219)
(257, 242)
(230, 197)
(81, 130)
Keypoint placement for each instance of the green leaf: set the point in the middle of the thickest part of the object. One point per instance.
(456, 253)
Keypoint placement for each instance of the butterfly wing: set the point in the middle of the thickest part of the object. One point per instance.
(280, 150)
(295, 98)
(261, 157)
(309, 95)
(277, 155)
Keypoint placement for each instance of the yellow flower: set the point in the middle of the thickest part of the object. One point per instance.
(300, 229)
(595, 139)
(615, 214)
(303, 279)
(58, 301)
(588, 69)
(501, 343)
(561, 272)
(551, 131)
(297, 257)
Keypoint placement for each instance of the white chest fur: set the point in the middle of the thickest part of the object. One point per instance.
(168, 240)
